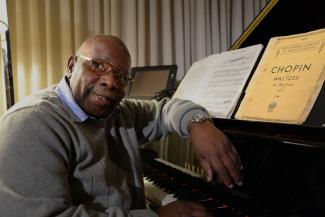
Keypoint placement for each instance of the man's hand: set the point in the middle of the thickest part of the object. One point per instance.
(183, 209)
(216, 153)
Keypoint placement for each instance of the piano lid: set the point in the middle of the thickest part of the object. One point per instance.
(283, 17)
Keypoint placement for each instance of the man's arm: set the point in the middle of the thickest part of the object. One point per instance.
(213, 149)
(156, 119)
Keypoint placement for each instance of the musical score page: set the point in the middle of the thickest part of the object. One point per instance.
(216, 82)
(287, 80)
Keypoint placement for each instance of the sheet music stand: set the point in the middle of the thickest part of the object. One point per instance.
(152, 81)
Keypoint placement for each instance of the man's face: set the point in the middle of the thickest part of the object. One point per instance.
(98, 93)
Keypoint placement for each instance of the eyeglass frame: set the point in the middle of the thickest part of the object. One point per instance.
(117, 72)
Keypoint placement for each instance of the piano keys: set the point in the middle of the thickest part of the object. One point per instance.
(166, 183)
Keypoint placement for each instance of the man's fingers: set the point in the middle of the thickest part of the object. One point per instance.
(207, 169)
(222, 172)
(232, 169)
(230, 151)
(233, 164)
(217, 165)
(235, 159)
(235, 156)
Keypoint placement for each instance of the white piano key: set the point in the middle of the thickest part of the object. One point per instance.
(156, 195)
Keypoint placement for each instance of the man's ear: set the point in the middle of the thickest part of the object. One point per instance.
(71, 63)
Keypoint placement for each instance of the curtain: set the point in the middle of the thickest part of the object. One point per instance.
(44, 33)
(2, 86)
(3, 54)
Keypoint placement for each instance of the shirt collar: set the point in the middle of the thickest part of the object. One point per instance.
(64, 92)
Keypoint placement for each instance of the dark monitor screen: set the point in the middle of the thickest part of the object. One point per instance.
(149, 80)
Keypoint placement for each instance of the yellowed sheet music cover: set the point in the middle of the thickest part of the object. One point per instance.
(287, 81)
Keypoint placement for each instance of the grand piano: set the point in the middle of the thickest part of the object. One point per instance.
(284, 164)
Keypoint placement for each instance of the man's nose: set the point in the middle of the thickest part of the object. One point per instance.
(109, 80)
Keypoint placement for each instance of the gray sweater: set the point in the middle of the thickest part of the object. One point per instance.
(51, 164)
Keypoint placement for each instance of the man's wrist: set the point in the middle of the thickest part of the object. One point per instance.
(198, 118)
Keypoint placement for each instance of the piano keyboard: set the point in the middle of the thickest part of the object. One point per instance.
(160, 196)
(165, 183)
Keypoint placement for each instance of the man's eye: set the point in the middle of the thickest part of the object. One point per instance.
(117, 73)
(97, 66)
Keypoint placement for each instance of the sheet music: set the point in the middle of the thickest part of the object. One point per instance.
(217, 81)
(287, 80)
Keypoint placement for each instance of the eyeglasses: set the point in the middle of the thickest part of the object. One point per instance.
(101, 68)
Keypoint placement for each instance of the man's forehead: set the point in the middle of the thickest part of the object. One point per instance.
(104, 47)
(96, 47)
(107, 48)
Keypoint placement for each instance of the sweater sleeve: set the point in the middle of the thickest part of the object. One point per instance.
(177, 114)
(34, 170)
(156, 119)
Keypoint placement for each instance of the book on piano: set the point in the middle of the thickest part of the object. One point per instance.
(287, 80)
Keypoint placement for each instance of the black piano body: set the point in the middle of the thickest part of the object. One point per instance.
(283, 173)
(284, 164)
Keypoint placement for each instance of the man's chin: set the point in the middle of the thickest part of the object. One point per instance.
(103, 113)
(100, 109)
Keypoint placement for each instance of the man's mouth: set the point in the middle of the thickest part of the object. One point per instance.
(102, 97)
(102, 100)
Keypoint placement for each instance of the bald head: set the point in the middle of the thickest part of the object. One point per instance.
(99, 45)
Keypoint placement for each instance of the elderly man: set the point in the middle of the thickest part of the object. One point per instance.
(72, 149)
